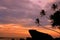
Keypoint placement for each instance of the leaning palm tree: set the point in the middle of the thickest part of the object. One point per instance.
(38, 24)
(52, 17)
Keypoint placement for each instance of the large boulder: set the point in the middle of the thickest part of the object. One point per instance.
(39, 35)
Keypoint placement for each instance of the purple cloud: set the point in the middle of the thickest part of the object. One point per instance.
(20, 11)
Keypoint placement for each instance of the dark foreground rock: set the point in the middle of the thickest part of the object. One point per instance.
(57, 39)
(39, 35)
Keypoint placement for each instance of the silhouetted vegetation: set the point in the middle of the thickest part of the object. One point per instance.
(22, 39)
(28, 38)
(42, 13)
(54, 6)
(37, 21)
(12, 39)
(56, 19)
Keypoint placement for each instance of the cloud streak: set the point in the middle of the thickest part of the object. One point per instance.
(21, 11)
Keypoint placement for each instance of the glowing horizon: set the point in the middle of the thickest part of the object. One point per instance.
(17, 30)
(18, 16)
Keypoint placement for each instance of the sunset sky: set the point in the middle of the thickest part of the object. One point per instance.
(18, 16)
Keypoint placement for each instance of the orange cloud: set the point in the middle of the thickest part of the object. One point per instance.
(16, 30)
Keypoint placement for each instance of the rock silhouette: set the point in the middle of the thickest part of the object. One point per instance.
(39, 35)
(57, 39)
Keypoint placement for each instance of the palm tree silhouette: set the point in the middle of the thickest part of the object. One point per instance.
(56, 19)
(54, 6)
(37, 21)
(43, 14)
